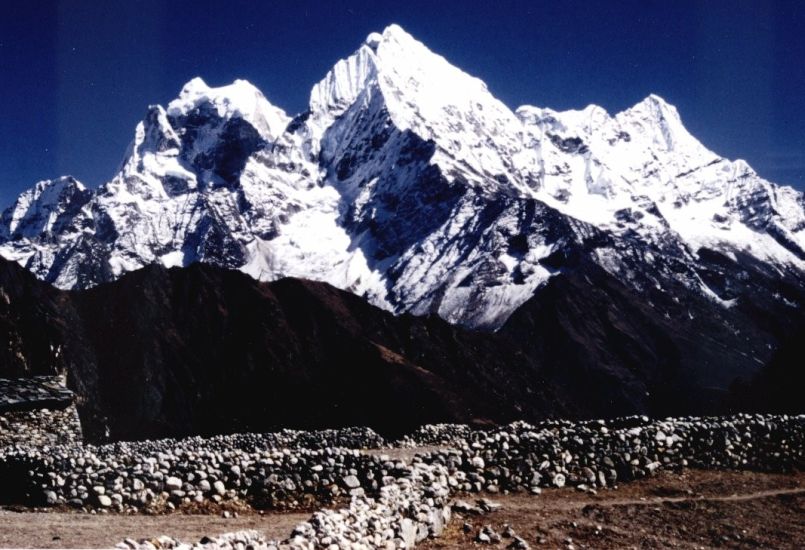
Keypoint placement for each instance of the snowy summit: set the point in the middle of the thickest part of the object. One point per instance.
(407, 182)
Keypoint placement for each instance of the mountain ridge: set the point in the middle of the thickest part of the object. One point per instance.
(166, 352)
(408, 183)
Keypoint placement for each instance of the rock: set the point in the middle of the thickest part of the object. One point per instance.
(351, 482)
(518, 543)
(173, 483)
(487, 535)
(488, 506)
(275, 467)
(464, 507)
(408, 531)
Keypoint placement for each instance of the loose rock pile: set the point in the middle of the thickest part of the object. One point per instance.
(391, 504)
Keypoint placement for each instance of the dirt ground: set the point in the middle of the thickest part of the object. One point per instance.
(81, 530)
(695, 509)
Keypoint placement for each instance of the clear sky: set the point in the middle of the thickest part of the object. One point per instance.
(77, 76)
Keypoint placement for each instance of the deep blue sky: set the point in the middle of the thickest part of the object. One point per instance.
(77, 76)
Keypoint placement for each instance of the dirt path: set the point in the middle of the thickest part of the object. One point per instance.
(649, 501)
(79, 530)
(694, 509)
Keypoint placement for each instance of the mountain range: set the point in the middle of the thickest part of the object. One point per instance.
(601, 244)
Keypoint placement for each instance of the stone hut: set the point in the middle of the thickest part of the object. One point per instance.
(38, 411)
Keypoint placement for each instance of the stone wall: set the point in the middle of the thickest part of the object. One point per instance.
(40, 427)
(38, 411)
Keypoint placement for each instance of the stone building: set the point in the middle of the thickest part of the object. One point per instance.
(37, 411)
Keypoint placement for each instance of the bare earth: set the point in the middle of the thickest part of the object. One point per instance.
(695, 509)
(79, 530)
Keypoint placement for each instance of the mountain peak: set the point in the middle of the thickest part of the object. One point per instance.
(53, 187)
(241, 99)
(408, 182)
(658, 107)
(373, 40)
(39, 208)
(660, 122)
(403, 69)
(393, 33)
(422, 92)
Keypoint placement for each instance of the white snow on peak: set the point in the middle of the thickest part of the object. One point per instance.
(373, 40)
(422, 92)
(36, 209)
(350, 195)
(660, 122)
(241, 99)
(342, 85)
(643, 165)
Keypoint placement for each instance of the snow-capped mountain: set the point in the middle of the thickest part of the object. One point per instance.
(408, 183)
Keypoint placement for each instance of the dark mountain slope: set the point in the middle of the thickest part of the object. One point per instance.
(36, 320)
(205, 350)
(627, 352)
(208, 350)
